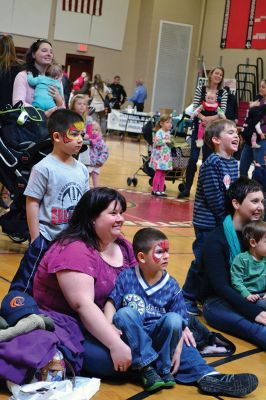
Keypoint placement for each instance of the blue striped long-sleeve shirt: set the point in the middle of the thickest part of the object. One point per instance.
(215, 176)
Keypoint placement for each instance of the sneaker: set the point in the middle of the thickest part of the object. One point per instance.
(182, 195)
(199, 143)
(237, 385)
(156, 193)
(163, 194)
(169, 380)
(192, 307)
(151, 380)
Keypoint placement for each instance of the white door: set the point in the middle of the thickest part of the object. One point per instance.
(171, 68)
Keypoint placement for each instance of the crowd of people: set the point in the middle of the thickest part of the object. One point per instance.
(129, 317)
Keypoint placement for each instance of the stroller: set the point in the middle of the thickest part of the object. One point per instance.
(17, 157)
(24, 141)
(180, 153)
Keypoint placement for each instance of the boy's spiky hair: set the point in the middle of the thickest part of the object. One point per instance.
(61, 120)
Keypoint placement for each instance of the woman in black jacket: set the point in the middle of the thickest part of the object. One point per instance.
(224, 308)
(9, 68)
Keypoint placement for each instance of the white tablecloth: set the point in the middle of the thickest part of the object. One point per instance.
(127, 122)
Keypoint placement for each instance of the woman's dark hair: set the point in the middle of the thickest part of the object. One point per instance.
(30, 60)
(144, 239)
(239, 190)
(90, 206)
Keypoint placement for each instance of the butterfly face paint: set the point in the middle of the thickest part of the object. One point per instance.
(159, 249)
(74, 132)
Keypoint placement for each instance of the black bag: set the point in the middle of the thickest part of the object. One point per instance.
(107, 104)
(208, 343)
(107, 101)
(22, 124)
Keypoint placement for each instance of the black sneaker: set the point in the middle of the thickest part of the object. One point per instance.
(169, 380)
(192, 307)
(151, 380)
(237, 385)
(184, 194)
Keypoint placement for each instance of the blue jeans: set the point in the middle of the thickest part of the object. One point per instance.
(156, 341)
(98, 362)
(192, 283)
(248, 155)
(194, 156)
(23, 279)
(219, 314)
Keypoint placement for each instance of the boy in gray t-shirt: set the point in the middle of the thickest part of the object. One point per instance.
(55, 186)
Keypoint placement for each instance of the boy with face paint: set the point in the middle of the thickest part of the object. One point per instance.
(147, 305)
(54, 188)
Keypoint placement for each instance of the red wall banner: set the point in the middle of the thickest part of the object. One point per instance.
(244, 24)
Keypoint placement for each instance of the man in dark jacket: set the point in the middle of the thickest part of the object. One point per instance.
(118, 93)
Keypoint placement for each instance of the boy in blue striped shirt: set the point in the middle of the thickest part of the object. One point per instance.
(148, 306)
(215, 176)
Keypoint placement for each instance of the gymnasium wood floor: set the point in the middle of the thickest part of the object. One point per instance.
(174, 218)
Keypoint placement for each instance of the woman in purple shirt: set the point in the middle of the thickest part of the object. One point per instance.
(79, 270)
(74, 280)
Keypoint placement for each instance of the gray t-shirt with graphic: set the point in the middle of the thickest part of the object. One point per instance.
(59, 187)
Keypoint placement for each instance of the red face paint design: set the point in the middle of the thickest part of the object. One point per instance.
(159, 249)
(74, 132)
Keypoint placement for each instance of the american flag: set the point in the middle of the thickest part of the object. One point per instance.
(92, 7)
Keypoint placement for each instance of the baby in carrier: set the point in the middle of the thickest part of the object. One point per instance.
(208, 107)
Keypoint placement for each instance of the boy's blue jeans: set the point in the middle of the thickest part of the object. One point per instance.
(191, 288)
(155, 342)
(98, 362)
(248, 155)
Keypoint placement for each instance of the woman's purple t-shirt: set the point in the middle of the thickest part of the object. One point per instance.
(77, 256)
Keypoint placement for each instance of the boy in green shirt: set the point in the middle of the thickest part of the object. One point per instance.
(248, 270)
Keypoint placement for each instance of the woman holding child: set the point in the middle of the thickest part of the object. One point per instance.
(214, 85)
(254, 148)
(89, 255)
(224, 308)
(38, 58)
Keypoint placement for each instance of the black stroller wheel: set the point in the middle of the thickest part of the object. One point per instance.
(135, 182)
(150, 181)
(181, 187)
(129, 181)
